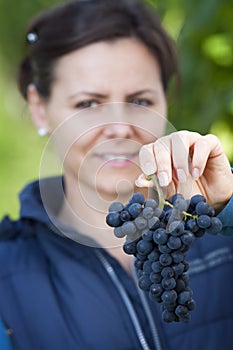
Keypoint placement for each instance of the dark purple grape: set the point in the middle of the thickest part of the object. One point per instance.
(186, 266)
(154, 255)
(215, 226)
(181, 204)
(191, 225)
(130, 248)
(176, 228)
(204, 221)
(164, 249)
(167, 215)
(175, 197)
(169, 296)
(147, 266)
(187, 238)
(135, 209)
(129, 229)
(151, 203)
(153, 223)
(140, 223)
(159, 213)
(142, 257)
(177, 257)
(184, 297)
(125, 215)
(168, 283)
(113, 219)
(191, 304)
(178, 269)
(196, 199)
(156, 290)
(168, 306)
(138, 264)
(180, 285)
(167, 272)
(160, 236)
(211, 212)
(183, 313)
(185, 278)
(148, 213)
(147, 235)
(155, 277)
(144, 282)
(174, 243)
(116, 206)
(137, 198)
(118, 232)
(202, 208)
(156, 266)
(144, 247)
(168, 316)
(200, 233)
(165, 259)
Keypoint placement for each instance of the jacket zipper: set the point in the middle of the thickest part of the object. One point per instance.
(109, 269)
(152, 324)
(130, 308)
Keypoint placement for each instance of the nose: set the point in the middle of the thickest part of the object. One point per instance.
(118, 124)
(118, 130)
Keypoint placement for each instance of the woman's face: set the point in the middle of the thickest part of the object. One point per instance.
(95, 106)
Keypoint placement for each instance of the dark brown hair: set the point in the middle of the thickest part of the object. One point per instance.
(70, 26)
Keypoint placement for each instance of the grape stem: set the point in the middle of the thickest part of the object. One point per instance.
(154, 179)
(162, 201)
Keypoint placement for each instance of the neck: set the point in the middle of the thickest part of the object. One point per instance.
(85, 210)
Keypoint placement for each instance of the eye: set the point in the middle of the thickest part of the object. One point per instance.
(142, 102)
(87, 104)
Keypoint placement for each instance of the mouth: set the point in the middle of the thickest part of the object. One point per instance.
(118, 159)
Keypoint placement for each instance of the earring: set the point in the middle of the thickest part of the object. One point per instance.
(42, 132)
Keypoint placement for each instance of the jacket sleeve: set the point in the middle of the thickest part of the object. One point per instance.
(4, 339)
(226, 216)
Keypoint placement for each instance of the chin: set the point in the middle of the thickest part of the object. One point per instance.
(111, 190)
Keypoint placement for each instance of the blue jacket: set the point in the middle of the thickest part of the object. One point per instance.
(57, 294)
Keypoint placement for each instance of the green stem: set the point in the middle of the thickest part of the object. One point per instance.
(153, 178)
(162, 201)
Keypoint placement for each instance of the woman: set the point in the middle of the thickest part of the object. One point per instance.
(95, 78)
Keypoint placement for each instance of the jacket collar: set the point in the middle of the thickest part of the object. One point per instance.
(42, 199)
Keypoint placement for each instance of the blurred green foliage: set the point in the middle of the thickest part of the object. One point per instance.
(203, 32)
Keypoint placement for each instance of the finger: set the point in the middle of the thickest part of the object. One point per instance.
(147, 159)
(143, 182)
(180, 155)
(162, 153)
(205, 147)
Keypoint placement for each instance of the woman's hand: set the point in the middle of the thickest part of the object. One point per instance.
(182, 156)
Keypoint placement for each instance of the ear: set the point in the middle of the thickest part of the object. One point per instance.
(37, 108)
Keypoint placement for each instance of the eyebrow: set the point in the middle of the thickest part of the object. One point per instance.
(92, 94)
(98, 95)
(140, 92)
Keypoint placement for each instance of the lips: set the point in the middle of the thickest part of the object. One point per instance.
(117, 156)
(117, 160)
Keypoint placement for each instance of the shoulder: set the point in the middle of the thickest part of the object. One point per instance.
(18, 246)
(226, 216)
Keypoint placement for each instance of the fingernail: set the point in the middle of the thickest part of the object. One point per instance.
(138, 183)
(163, 179)
(195, 173)
(181, 175)
(142, 182)
(149, 169)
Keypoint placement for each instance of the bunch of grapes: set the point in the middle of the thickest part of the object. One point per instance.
(159, 238)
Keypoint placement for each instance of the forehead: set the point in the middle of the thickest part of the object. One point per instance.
(125, 61)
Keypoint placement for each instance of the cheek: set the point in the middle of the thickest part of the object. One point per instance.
(152, 129)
